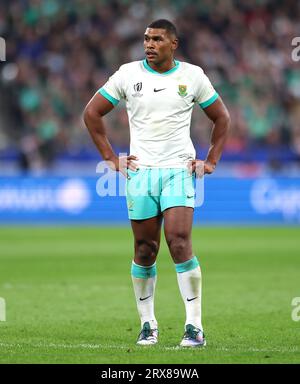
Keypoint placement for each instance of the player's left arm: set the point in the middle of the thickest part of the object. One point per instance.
(219, 115)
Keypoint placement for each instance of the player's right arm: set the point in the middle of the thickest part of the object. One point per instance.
(93, 114)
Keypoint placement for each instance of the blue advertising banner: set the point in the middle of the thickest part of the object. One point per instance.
(84, 200)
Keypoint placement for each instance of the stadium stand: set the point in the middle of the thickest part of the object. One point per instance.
(60, 52)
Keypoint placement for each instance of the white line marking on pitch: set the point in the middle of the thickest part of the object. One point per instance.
(107, 346)
(63, 346)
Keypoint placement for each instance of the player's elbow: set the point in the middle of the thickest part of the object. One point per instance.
(225, 116)
(90, 114)
(87, 113)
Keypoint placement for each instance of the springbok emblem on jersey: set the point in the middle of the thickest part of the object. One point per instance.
(182, 90)
(137, 87)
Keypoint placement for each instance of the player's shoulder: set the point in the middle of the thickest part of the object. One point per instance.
(133, 66)
(191, 68)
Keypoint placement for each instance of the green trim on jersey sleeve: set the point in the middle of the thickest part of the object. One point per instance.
(147, 66)
(209, 101)
(103, 92)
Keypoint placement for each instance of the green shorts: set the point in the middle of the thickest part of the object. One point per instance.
(150, 191)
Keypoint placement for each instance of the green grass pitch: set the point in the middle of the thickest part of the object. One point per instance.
(69, 297)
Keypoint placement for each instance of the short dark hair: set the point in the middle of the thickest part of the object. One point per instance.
(164, 24)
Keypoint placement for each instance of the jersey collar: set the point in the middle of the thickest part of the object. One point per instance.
(147, 66)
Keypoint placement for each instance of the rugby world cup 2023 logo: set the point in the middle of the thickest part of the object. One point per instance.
(138, 87)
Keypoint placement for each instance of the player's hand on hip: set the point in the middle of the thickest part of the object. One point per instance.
(209, 167)
(200, 167)
(127, 162)
(197, 167)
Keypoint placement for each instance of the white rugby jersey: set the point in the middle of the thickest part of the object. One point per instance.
(159, 107)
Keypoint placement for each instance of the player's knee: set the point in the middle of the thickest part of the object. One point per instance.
(146, 250)
(178, 244)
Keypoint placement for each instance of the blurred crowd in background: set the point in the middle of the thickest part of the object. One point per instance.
(60, 52)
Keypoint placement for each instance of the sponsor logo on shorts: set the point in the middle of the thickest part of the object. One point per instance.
(130, 204)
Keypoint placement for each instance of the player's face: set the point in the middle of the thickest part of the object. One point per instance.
(159, 46)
